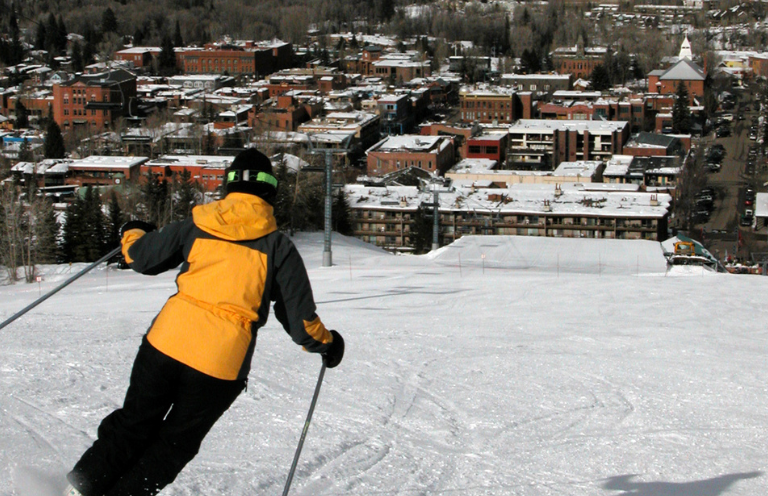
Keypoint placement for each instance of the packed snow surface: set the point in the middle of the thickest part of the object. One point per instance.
(494, 366)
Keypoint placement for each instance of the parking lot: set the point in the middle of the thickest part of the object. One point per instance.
(733, 181)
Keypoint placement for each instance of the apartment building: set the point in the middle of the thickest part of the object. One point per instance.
(537, 144)
(385, 215)
(363, 125)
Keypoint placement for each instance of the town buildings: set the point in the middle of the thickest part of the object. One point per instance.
(94, 101)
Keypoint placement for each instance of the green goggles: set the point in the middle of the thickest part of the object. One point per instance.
(251, 176)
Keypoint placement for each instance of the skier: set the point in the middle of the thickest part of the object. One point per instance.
(195, 358)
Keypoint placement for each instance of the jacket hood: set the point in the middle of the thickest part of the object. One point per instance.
(238, 217)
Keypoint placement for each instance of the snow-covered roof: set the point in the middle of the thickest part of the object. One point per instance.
(583, 168)
(531, 199)
(761, 205)
(410, 142)
(683, 70)
(107, 162)
(207, 161)
(548, 126)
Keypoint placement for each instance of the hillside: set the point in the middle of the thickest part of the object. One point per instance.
(465, 380)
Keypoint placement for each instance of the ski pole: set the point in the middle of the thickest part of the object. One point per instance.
(304, 431)
(60, 287)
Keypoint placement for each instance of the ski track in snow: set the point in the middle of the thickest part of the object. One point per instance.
(544, 372)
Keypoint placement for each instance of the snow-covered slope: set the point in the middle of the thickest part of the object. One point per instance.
(545, 368)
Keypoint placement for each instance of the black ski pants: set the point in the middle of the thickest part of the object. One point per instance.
(141, 447)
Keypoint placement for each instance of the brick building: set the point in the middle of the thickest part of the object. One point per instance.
(140, 57)
(489, 146)
(494, 106)
(665, 82)
(602, 109)
(246, 58)
(206, 170)
(400, 67)
(285, 113)
(94, 101)
(99, 170)
(538, 83)
(579, 61)
(430, 153)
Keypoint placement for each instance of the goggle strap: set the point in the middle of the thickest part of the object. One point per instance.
(258, 176)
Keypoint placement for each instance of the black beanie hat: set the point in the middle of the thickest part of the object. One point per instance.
(251, 172)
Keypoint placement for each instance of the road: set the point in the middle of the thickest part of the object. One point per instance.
(721, 233)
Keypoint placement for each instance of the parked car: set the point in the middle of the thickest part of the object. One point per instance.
(723, 132)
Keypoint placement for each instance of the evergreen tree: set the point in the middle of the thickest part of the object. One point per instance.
(115, 219)
(681, 111)
(177, 40)
(53, 147)
(77, 57)
(94, 227)
(46, 233)
(61, 36)
(154, 196)
(25, 152)
(286, 187)
(71, 231)
(600, 79)
(138, 37)
(51, 32)
(167, 60)
(40, 38)
(108, 22)
(341, 214)
(88, 52)
(185, 197)
(22, 115)
(16, 49)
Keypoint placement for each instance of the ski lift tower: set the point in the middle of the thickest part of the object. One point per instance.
(333, 144)
(435, 187)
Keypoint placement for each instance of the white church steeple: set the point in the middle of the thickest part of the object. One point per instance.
(685, 49)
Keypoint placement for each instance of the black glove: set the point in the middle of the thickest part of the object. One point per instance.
(136, 224)
(335, 353)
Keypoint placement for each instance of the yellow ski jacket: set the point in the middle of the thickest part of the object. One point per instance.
(233, 263)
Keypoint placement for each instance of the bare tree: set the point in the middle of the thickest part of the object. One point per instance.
(11, 219)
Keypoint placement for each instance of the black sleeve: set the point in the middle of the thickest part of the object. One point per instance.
(162, 250)
(294, 303)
